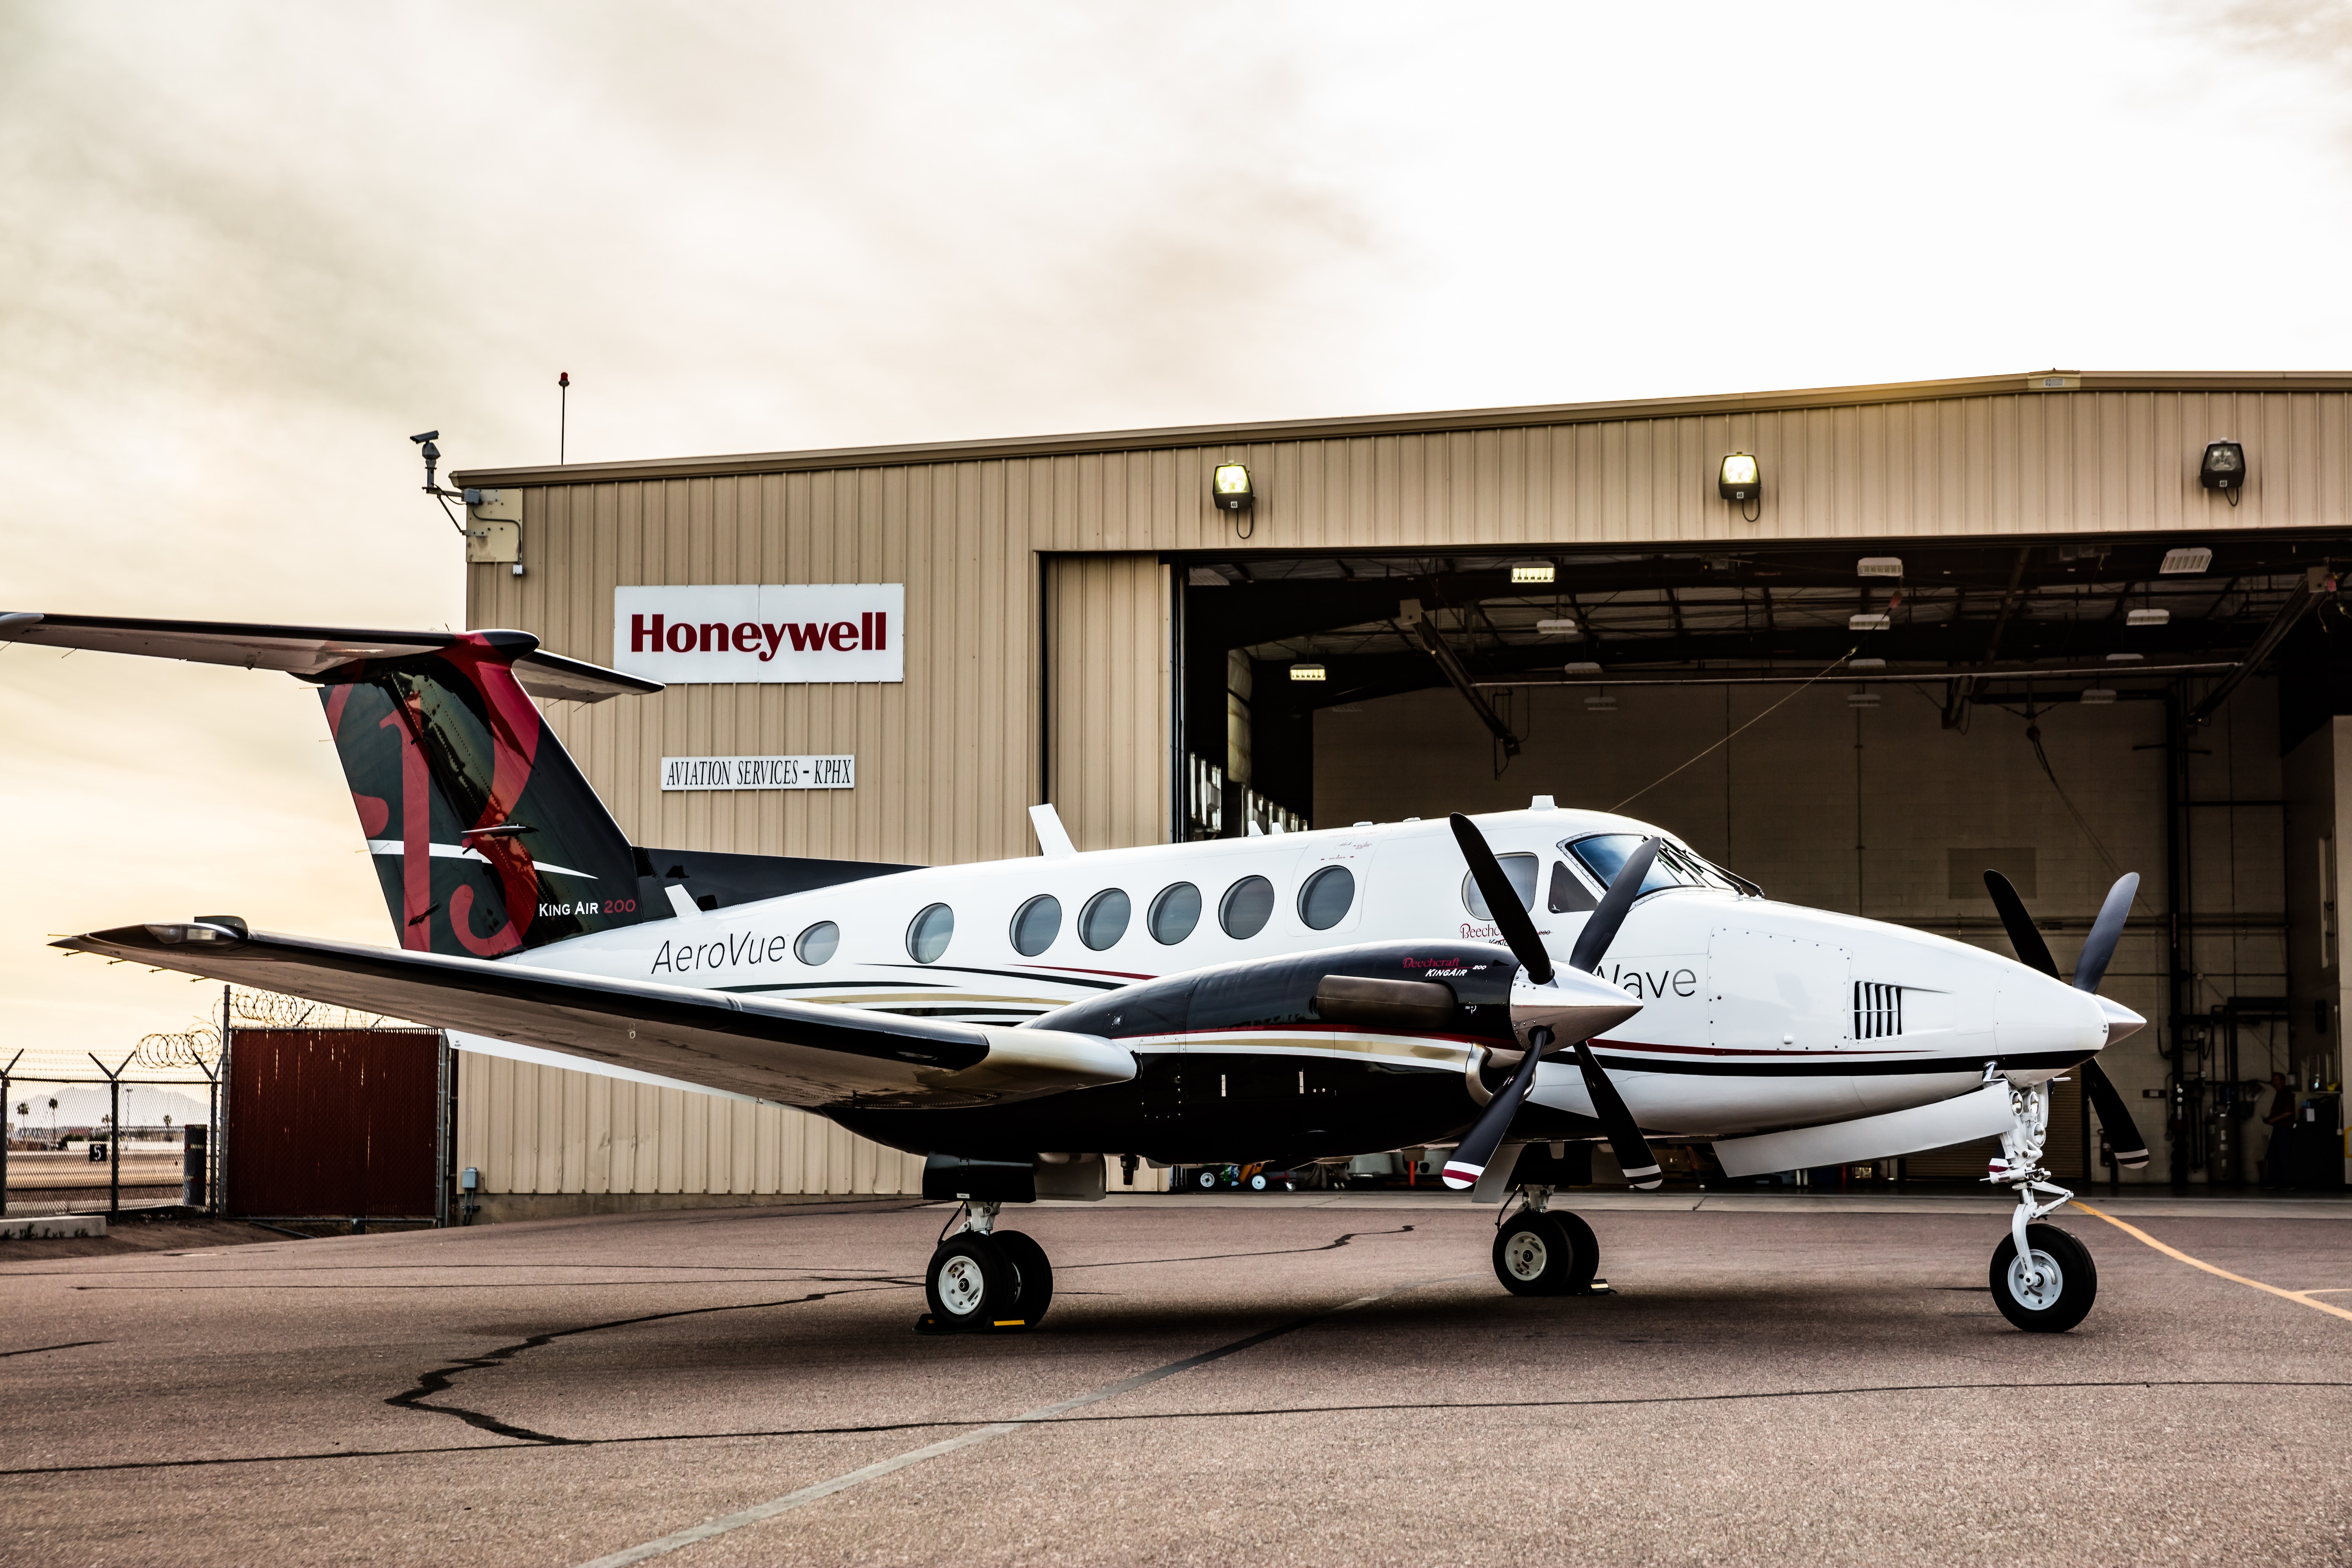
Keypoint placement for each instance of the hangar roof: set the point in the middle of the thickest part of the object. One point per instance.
(1650, 408)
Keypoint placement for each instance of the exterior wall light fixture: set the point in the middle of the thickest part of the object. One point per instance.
(1533, 572)
(1741, 479)
(1307, 672)
(2224, 468)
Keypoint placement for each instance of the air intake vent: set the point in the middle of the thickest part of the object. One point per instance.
(1877, 1010)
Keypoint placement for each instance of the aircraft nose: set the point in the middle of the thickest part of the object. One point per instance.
(2121, 1020)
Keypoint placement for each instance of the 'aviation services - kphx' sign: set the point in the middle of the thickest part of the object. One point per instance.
(762, 632)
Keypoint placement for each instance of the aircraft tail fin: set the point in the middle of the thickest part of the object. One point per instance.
(485, 836)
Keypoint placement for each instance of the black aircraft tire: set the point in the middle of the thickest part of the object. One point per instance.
(1537, 1254)
(1584, 1251)
(1034, 1291)
(2056, 1307)
(970, 1284)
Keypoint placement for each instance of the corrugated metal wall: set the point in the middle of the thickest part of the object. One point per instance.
(1006, 556)
(535, 1129)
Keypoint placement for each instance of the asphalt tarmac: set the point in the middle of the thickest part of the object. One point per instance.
(1220, 1381)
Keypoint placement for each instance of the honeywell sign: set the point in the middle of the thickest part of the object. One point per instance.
(762, 632)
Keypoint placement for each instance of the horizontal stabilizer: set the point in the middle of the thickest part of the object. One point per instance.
(308, 652)
(795, 1053)
(1978, 1115)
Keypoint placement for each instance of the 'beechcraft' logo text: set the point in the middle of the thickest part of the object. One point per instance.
(700, 633)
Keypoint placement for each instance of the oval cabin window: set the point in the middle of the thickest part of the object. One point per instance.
(926, 937)
(1246, 907)
(1519, 868)
(1175, 912)
(1035, 925)
(1104, 920)
(1323, 902)
(817, 943)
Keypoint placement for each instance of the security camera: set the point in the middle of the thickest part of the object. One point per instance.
(428, 436)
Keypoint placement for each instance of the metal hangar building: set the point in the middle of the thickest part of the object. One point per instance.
(1857, 643)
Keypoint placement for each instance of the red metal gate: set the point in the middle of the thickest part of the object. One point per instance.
(333, 1122)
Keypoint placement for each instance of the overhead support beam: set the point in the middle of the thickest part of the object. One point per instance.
(1425, 630)
(1960, 693)
(2298, 603)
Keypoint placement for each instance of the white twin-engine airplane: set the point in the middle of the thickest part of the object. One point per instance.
(1507, 986)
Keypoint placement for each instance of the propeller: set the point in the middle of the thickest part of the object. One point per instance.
(2090, 968)
(1586, 1007)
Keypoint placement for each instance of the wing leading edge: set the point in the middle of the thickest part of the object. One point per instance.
(796, 1053)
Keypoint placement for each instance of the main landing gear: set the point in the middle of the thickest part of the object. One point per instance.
(2042, 1279)
(981, 1280)
(1541, 1251)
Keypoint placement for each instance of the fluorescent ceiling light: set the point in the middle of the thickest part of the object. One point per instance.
(1865, 664)
(1532, 572)
(1879, 566)
(2190, 560)
(1306, 672)
(2147, 617)
(2098, 694)
(1559, 629)
(1868, 623)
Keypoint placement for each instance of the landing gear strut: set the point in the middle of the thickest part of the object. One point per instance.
(1540, 1252)
(2042, 1279)
(981, 1280)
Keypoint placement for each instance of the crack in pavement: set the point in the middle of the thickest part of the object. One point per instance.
(441, 1379)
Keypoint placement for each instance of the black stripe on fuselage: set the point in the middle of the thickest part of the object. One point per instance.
(1833, 1067)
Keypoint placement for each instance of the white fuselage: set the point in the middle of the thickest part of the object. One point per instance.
(1754, 1014)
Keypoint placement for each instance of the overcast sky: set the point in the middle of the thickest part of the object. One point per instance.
(245, 250)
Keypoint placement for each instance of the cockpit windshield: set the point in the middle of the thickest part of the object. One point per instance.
(1604, 854)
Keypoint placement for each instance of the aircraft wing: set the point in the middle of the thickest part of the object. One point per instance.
(305, 650)
(796, 1053)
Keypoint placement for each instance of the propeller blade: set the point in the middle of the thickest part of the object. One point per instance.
(2099, 947)
(1503, 901)
(1600, 926)
(2123, 1134)
(1469, 1159)
(1633, 1150)
(2031, 951)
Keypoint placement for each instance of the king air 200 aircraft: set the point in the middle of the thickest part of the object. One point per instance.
(1506, 985)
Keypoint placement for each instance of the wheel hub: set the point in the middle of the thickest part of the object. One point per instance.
(1525, 1256)
(961, 1286)
(2036, 1281)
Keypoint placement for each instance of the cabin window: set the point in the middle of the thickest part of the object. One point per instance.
(1519, 868)
(1104, 920)
(1175, 912)
(928, 933)
(1035, 925)
(1323, 901)
(1247, 905)
(817, 943)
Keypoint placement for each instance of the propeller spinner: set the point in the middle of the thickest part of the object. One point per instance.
(1556, 1008)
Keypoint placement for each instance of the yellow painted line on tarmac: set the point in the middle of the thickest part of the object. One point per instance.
(2302, 1298)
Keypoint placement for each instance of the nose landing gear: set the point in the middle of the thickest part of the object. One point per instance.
(2042, 1279)
(985, 1281)
(1543, 1252)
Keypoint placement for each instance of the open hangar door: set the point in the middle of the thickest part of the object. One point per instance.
(1864, 726)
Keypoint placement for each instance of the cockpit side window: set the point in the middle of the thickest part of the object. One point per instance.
(1569, 894)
